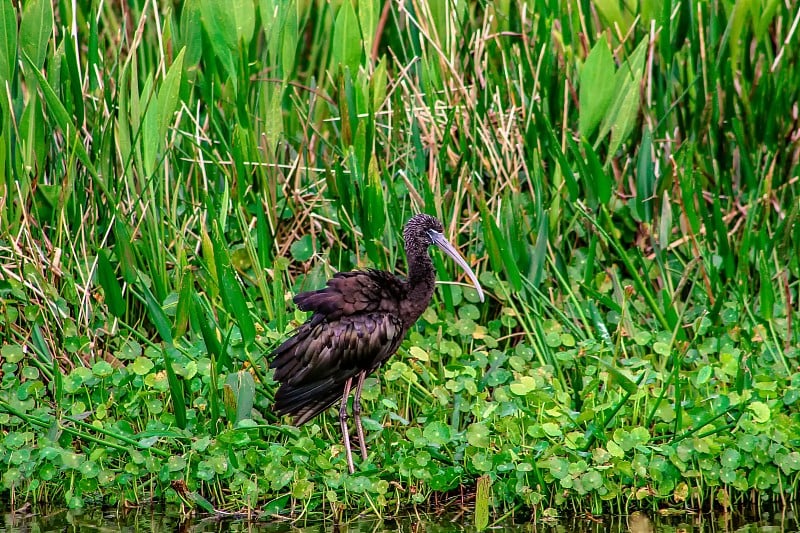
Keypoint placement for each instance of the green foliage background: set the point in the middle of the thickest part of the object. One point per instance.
(622, 175)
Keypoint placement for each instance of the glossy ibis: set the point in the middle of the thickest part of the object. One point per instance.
(359, 320)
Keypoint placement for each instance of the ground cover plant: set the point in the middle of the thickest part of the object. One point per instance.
(622, 176)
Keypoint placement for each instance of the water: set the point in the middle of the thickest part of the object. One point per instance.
(156, 520)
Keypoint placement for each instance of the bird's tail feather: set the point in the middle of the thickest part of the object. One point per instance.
(307, 401)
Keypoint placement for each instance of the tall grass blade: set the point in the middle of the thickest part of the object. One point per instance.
(156, 313)
(176, 392)
(111, 288)
(230, 290)
(63, 121)
(482, 494)
(8, 45)
(645, 179)
(243, 389)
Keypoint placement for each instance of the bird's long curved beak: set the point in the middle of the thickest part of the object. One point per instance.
(439, 240)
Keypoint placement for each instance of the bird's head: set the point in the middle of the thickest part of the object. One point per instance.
(422, 231)
(420, 228)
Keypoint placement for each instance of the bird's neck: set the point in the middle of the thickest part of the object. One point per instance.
(420, 282)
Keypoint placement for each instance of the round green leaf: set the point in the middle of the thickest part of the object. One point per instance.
(102, 369)
(302, 249)
(524, 385)
(12, 353)
(478, 435)
(142, 365)
(437, 433)
(761, 412)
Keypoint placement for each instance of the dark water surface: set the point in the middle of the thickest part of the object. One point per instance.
(157, 521)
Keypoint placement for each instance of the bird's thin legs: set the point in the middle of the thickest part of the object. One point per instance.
(357, 415)
(343, 422)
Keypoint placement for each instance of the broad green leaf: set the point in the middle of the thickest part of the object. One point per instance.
(102, 369)
(592, 480)
(626, 107)
(191, 32)
(346, 48)
(219, 21)
(149, 130)
(418, 353)
(204, 503)
(244, 16)
(704, 374)
(615, 450)
(559, 467)
(612, 13)
(499, 253)
(378, 80)
(369, 12)
(603, 183)
(8, 41)
(272, 16)
(35, 29)
(665, 221)
(620, 117)
(289, 37)
(273, 117)
(168, 96)
(207, 329)
(220, 25)
(640, 435)
(597, 87)
(70, 80)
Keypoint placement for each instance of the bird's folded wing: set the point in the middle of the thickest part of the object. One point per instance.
(344, 347)
(351, 293)
(313, 366)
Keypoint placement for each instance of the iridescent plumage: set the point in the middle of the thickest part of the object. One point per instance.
(359, 320)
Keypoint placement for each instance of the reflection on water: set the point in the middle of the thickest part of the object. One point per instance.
(158, 520)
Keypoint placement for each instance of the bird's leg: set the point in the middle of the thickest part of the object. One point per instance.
(343, 422)
(357, 415)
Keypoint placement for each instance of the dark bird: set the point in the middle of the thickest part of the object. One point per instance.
(359, 320)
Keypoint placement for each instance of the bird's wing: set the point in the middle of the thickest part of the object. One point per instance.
(321, 349)
(314, 364)
(352, 293)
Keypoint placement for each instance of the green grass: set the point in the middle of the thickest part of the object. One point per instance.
(623, 176)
